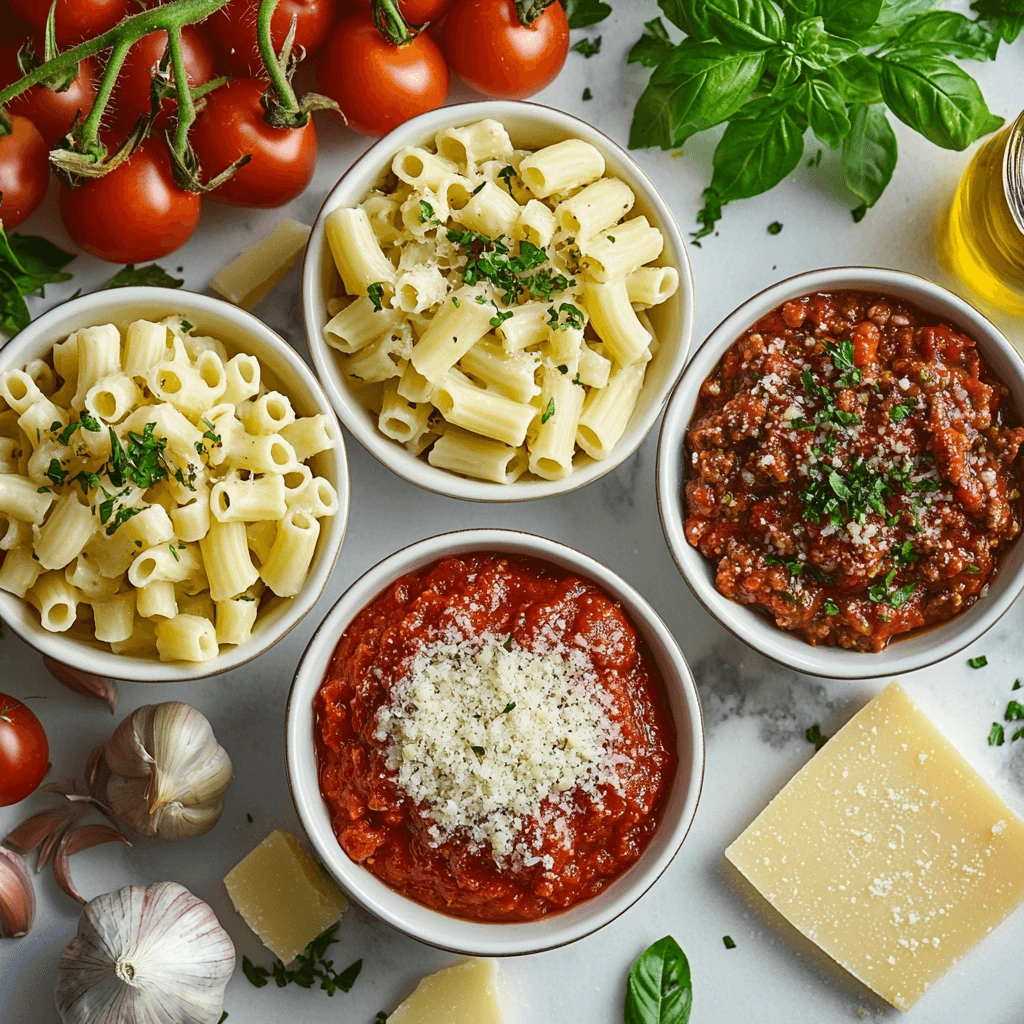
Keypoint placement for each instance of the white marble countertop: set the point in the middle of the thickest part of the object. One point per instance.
(756, 712)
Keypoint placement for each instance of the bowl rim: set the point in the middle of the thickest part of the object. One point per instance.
(454, 934)
(72, 652)
(422, 474)
(756, 631)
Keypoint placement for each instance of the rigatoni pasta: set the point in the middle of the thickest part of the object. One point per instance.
(128, 495)
(489, 296)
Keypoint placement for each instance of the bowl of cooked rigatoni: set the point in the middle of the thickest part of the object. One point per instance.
(173, 485)
(497, 301)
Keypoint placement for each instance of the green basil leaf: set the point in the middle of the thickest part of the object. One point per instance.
(869, 153)
(819, 49)
(797, 10)
(749, 24)
(858, 80)
(786, 74)
(826, 111)
(689, 15)
(952, 34)
(936, 98)
(1006, 17)
(584, 13)
(152, 275)
(14, 314)
(37, 263)
(653, 46)
(850, 18)
(761, 145)
(696, 86)
(894, 16)
(660, 990)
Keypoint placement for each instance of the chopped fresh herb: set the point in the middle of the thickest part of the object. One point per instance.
(1017, 735)
(248, 818)
(1014, 712)
(900, 598)
(588, 47)
(174, 552)
(973, 570)
(729, 942)
(576, 380)
(510, 706)
(997, 735)
(375, 293)
(426, 211)
(611, 238)
(842, 356)
(223, 1017)
(89, 422)
(152, 275)
(562, 368)
(775, 227)
(831, 608)
(816, 736)
(573, 318)
(549, 411)
(121, 516)
(55, 473)
(980, 662)
(185, 327)
(1016, 685)
(479, 188)
(587, 94)
(900, 412)
(905, 553)
(247, 597)
(309, 968)
(497, 321)
(479, 750)
(506, 174)
(43, 490)
(455, 301)
(481, 300)
(257, 975)
(381, 1018)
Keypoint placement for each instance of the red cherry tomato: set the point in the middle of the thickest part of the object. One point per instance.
(24, 752)
(133, 214)
(232, 124)
(75, 20)
(488, 46)
(131, 94)
(233, 27)
(50, 111)
(378, 85)
(24, 171)
(416, 12)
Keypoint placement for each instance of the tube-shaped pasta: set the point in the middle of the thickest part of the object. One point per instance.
(399, 419)
(260, 538)
(385, 219)
(378, 361)
(357, 253)
(607, 411)
(287, 564)
(651, 286)
(423, 211)
(419, 289)
(310, 435)
(112, 398)
(241, 379)
(246, 501)
(359, 324)
(65, 533)
(173, 562)
(474, 143)
(624, 249)
(192, 521)
(150, 528)
(615, 321)
(19, 390)
(294, 481)
(561, 402)
(65, 363)
(511, 374)
(211, 370)
(421, 168)
(564, 346)
(186, 638)
(536, 224)
(528, 326)
(157, 600)
(594, 368)
(114, 617)
(483, 412)
(37, 419)
(13, 532)
(226, 557)
(40, 372)
(99, 355)
(471, 455)
(491, 211)
(142, 642)
(145, 345)
(455, 329)
(167, 422)
(56, 601)
(180, 385)
(317, 496)
(413, 386)
(235, 619)
(10, 453)
(20, 499)
(200, 604)
(267, 453)
(84, 575)
(561, 167)
(112, 556)
(268, 414)
(595, 209)
(19, 571)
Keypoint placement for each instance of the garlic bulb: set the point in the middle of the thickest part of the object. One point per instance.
(17, 897)
(168, 773)
(155, 955)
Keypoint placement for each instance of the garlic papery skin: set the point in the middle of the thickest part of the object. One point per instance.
(155, 955)
(168, 772)
(17, 897)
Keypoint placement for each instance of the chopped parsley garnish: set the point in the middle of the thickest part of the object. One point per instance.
(576, 380)
(996, 736)
(587, 94)
(375, 293)
(1014, 712)
(307, 968)
(479, 188)
(904, 554)
(611, 238)
(794, 567)
(497, 321)
(479, 751)
(174, 551)
(247, 597)
(979, 662)
(973, 570)
(510, 706)
(506, 174)
(573, 318)
(900, 412)
(55, 473)
(816, 736)
(85, 421)
(775, 227)
(548, 412)
(381, 1018)
(185, 327)
(489, 259)
(588, 47)
(1017, 735)
(455, 302)
(426, 211)
(842, 356)
(562, 368)
(729, 942)
(1016, 685)
(831, 608)
(43, 490)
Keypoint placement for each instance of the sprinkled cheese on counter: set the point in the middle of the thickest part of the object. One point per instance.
(483, 737)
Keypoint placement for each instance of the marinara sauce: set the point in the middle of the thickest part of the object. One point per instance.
(852, 469)
(580, 851)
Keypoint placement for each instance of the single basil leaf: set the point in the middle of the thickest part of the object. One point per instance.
(858, 80)
(689, 15)
(14, 314)
(786, 74)
(659, 990)
(696, 86)
(1006, 17)
(761, 145)
(653, 46)
(152, 275)
(953, 36)
(826, 111)
(819, 49)
(870, 152)
(797, 10)
(894, 16)
(584, 13)
(850, 18)
(936, 98)
(40, 263)
(749, 24)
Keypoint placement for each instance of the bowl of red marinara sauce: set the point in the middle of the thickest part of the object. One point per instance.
(494, 743)
(839, 476)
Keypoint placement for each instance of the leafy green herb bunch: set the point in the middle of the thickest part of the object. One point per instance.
(770, 70)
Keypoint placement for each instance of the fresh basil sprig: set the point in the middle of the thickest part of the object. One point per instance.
(772, 70)
(584, 13)
(659, 990)
(28, 264)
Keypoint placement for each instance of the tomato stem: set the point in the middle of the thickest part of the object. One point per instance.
(390, 23)
(274, 65)
(88, 133)
(186, 108)
(530, 10)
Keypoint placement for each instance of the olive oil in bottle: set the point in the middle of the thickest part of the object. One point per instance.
(981, 239)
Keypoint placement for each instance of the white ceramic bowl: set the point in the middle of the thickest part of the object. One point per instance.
(915, 651)
(239, 331)
(412, 918)
(531, 126)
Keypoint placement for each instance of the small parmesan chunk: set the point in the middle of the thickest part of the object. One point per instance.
(464, 994)
(247, 279)
(283, 895)
(888, 850)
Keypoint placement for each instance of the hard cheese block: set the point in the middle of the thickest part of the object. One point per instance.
(247, 279)
(464, 994)
(888, 850)
(283, 895)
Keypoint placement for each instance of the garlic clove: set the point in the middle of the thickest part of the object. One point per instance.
(49, 845)
(84, 682)
(156, 955)
(17, 897)
(76, 841)
(31, 832)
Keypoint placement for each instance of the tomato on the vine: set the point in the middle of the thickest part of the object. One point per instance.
(74, 20)
(496, 54)
(416, 12)
(135, 213)
(24, 751)
(377, 84)
(131, 96)
(52, 112)
(231, 124)
(233, 28)
(24, 171)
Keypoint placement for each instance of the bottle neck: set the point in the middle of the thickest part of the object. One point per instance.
(1013, 172)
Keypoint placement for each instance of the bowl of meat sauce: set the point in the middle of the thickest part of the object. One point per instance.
(494, 743)
(839, 478)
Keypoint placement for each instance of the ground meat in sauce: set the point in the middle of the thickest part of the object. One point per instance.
(374, 820)
(852, 469)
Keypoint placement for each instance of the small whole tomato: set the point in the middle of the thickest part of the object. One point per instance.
(52, 112)
(496, 54)
(233, 28)
(379, 85)
(74, 20)
(416, 12)
(131, 94)
(232, 124)
(24, 171)
(135, 213)
(24, 752)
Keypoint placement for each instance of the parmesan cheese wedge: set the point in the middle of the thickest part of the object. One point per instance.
(283, 895)
(247, 279)
(464, 994)
(888, 851)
